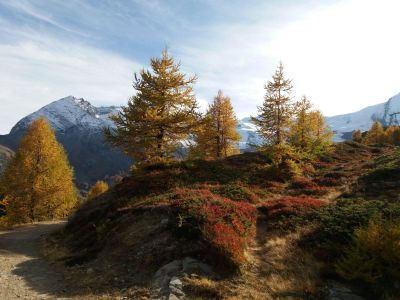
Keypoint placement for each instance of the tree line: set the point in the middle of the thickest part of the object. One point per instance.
(162, 115)
(377, 134)
(164, 112)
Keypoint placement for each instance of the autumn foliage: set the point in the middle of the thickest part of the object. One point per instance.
(97, 189)
(37, 184)
(227, 225)
(288, 205)
(217, 137)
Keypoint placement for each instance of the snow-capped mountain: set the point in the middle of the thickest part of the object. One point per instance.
(248, 133)
(79, 128)
(70, 112)
(386, 113)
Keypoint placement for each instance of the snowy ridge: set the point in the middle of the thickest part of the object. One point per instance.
(70, 112)
(248, 133)
(364, 118)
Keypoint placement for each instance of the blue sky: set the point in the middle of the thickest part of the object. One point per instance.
(342, 54)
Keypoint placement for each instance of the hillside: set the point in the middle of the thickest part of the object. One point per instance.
(5, 156)
(143, 238)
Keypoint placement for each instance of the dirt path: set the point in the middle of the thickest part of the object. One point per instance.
(24, 274)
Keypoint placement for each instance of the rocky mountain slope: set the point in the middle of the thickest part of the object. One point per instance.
(5, 156)
(78, 126)
(388, 113)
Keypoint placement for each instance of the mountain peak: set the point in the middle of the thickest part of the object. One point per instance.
(388, 113)
(70, 112)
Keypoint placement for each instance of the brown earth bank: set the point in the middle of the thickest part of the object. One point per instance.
(137, 241)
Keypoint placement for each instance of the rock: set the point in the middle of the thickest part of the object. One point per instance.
(167, 282)
(337, 291)
(89, 271)
(164, 222)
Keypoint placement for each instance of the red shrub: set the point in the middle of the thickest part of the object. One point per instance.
(303, 183)
(308, 186)
(291, 206)
(227, 225)
(327, 181)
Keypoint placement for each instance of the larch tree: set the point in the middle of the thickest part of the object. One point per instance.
(375, 134)
(357, 136)
(308, 132)
(321, 135)
(277, 110)
(159, 116)
(217, 136)
(300, 129)
(38, 182)
(97, 189)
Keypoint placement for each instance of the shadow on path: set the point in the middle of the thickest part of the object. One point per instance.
(24, 273)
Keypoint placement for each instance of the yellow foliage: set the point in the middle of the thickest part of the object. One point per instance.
(374, 254)
(276, 112)
(37, 184)
(375, 134)
(357, 136)
(159, 116)
(97, 189)
(309, 133)
(217, 136)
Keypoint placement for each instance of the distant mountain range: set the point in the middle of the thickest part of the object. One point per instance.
(388, 113)
(78, 126)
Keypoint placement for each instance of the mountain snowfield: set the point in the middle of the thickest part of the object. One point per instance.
(344, 125)
(69, 112)
(72, 112)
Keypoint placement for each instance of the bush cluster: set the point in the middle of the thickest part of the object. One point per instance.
(308, 186)
(225, 224)
(288, 212)
(235, 192)
(373, 256)
(289, 205)
(337, 222)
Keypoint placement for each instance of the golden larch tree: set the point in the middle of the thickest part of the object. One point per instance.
(97, 189)
(217, 136)
(375, 134)
(276, 113)
(159, 116)
(38, 182)
(309, 133)
(357, 136)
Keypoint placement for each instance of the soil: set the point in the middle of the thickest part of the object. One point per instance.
(24, 274)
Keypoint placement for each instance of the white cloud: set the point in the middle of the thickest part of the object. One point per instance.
(343, 55)
(41, 70)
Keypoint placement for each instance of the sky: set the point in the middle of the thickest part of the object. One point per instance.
(344, 55)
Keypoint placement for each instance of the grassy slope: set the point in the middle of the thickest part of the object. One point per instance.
(128, 233)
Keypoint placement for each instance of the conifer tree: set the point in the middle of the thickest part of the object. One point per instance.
(321, 135)
(97, 189)
(300, 129)
(396, 136)
(375, 134)
(357, 136)
(277, 110)
(217, 136)
(309, 133)
(160, 115)
(37, 183)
